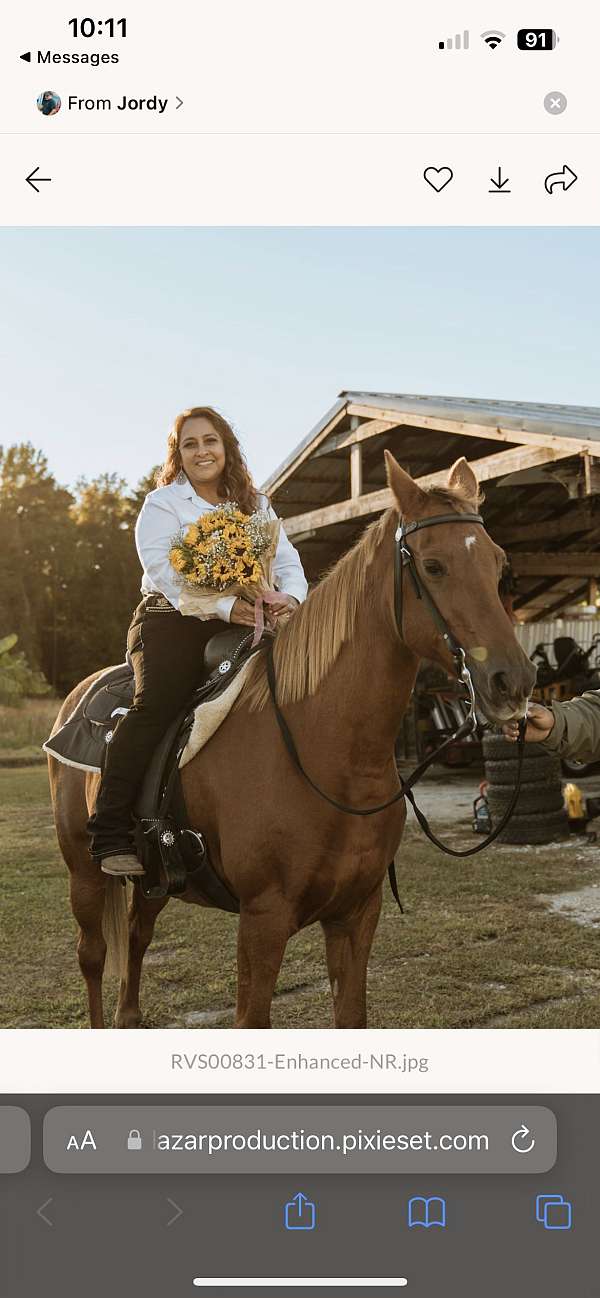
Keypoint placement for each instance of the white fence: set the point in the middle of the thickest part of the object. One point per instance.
(581, 629)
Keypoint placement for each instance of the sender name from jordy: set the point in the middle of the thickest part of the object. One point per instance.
(125, 103)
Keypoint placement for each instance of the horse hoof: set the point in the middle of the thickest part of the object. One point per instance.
(128, 1020)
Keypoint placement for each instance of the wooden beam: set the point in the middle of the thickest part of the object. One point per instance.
(361, 433)
(467, 429)
(491, 466)
(540, 588)
(567, 597)
(563, 563)
(576, 521)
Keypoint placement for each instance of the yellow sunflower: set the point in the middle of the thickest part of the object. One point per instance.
(221, 571)
(178, 560)
(192, 534)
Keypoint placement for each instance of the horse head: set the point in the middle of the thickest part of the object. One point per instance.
(460, 567)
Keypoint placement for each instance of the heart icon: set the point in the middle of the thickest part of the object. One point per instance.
(438, 177)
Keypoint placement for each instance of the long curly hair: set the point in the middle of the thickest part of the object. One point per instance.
(236, 481)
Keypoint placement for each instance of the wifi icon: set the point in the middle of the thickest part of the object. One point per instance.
(493, 39)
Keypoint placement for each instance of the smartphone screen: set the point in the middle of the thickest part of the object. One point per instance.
(299, 650)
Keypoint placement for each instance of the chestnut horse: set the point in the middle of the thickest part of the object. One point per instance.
(344, 679)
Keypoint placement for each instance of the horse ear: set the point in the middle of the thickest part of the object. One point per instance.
(461, 478)
(407, 494)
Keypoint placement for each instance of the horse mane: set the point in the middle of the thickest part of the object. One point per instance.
(307, 646)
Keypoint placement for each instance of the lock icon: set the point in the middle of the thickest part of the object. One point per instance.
(134, 1139)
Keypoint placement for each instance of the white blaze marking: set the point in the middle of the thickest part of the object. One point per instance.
(469, 541)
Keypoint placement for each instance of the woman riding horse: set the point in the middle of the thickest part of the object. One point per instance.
(204, 467)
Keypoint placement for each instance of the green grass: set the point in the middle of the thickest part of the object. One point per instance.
(28, 726)
(474, 948)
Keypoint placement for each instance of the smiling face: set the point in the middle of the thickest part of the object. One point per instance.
(202, 452)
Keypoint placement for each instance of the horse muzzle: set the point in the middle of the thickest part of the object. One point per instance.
(503, 685)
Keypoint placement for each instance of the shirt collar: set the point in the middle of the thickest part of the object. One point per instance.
(187, 492)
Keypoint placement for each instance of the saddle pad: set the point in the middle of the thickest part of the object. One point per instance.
(81, 740)
(210, 715)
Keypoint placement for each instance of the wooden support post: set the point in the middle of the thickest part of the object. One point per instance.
(592, 590)
(356, 475)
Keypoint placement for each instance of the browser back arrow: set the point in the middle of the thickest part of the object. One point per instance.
(34, 180)
(40, 1212)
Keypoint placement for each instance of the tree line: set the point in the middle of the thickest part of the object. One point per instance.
(69, 572)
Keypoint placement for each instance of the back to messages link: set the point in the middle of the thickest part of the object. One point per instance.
(284, 1062)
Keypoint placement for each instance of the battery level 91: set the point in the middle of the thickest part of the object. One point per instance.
(536, 38)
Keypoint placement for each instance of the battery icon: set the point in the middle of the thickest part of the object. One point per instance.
(536, 38)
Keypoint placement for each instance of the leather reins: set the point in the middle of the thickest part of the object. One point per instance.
(404, 558)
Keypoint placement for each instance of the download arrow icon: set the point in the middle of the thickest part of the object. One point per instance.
(499, 185)
(560, 179)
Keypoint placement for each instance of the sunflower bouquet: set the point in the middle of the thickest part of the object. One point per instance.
(225, 552)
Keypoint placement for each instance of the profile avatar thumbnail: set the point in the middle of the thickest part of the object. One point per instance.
(49, 103)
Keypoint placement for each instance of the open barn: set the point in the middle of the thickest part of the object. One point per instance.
(539, 466)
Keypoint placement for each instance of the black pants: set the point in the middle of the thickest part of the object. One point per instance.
(167, 651)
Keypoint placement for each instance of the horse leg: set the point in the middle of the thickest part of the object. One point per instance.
(348, 945)
(262, 939)
(143, 914)
(87, 901)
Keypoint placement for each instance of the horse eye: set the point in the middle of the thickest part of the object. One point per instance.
(434, 568)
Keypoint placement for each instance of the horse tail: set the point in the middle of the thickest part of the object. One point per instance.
(115, 927)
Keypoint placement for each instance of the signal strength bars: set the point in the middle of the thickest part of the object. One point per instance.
(458, 42)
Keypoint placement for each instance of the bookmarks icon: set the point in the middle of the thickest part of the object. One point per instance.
(426, 1212)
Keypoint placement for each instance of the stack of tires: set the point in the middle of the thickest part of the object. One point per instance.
(539, 815)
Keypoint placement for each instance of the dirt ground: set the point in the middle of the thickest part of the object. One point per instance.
(507, 938)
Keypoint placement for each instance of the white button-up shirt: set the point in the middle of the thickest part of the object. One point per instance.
(163, 514)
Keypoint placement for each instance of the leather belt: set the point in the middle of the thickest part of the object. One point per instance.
(159, 603)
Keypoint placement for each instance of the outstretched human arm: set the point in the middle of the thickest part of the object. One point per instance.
(571, 729)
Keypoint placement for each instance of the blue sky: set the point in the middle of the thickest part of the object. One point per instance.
(105, 334)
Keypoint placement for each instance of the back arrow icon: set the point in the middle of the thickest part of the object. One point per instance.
(560, 179)
(34, 180)
(40, 1212)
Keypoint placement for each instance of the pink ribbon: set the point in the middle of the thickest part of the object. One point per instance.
(274, 598)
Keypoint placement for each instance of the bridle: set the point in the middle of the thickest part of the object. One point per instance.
(404, 559)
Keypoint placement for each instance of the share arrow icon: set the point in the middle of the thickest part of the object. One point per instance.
(560, 180)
